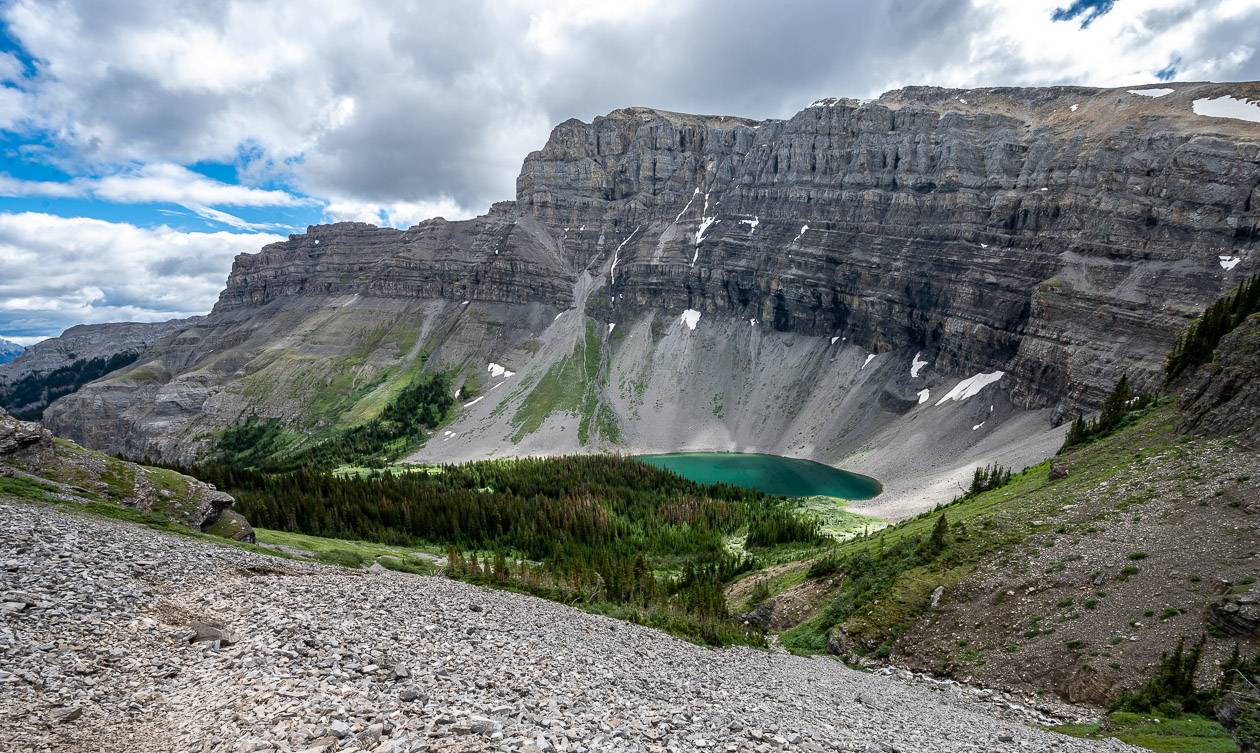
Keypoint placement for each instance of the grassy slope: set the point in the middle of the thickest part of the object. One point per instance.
(995, 523)
(1187, 734)
(572, 385)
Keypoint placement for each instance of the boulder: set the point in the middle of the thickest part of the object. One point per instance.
(1238, 616)
(230, 524)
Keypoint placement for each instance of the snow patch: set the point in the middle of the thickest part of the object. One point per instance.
(464, 303)
(690, 317)
(1073, 108)
(558, 316)
(705, 224)
(923, 396)
(317, 241)
(611, 325)
(1151, 92)
(977, 426)
(685, 206)
(833, 340)
(474, 401)
(798, 235)
(1228, 107)
(960, 99)
(752, 322)
(916, 366)
(752, 224)
(971, 386)
(1229, 262)
(869, 358)
(612, 271)
(497, 371)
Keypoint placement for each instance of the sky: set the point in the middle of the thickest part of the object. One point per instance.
(145, 144)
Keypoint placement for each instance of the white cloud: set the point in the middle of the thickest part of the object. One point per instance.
(400, 214)
(1203, 40)
(159, 182)
(58, 271)
(162, 183)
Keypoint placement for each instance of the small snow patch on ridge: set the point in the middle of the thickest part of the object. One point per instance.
(869, 358)
(923, 396)
(916, 366)
(1073, 108)
(1151, 92)
(752, 224)
(690, 317)
(833, 340)
(977, 426)
(971, 386)
(1228, 107)
(798, 235)
(474, 401)
(1229, 262)
(611, 325)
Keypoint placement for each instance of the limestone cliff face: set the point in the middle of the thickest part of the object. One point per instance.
(1062, 236)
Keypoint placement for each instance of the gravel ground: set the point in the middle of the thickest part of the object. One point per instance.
(95, 654)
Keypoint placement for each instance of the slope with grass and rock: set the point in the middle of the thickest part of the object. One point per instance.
(118, 637)
(1074, 577)
(34, 463)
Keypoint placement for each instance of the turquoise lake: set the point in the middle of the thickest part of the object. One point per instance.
(789, 477)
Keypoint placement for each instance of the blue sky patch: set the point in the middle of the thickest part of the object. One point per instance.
(1085, 10)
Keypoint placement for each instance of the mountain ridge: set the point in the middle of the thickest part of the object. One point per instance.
(1059, 236)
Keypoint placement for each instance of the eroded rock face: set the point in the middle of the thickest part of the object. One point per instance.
(1223, 397)
(1062, 236)
(24, 445)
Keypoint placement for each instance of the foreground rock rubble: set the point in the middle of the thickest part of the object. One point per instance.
(119, 638)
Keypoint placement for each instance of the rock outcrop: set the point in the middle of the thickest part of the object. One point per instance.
(740, 277)
(1222, 398)
(62, 470)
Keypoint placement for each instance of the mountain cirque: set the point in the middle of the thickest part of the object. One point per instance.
(810, 287)
(97, 655)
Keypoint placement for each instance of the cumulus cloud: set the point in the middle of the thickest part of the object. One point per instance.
(59, 271)
(389, 111)
(1136, 42)
(387, 101)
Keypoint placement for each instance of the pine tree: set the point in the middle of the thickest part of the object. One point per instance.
(936, 541)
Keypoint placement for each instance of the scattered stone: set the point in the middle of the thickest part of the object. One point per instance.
(210, 632)
(64, 715)
(540, 676)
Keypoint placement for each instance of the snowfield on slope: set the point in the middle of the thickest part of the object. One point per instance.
(96, 656)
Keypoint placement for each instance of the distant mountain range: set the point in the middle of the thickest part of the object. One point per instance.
(9, 350)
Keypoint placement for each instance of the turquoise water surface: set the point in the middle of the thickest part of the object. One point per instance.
(789, 477)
